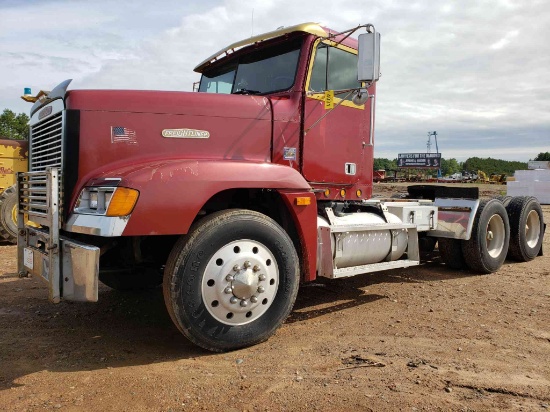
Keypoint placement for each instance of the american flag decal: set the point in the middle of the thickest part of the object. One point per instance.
(121, 134)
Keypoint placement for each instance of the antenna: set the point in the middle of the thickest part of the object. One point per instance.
(252, 30)
(429, 144)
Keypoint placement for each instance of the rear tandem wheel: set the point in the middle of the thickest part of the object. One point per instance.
(487, 247)
(526, 228)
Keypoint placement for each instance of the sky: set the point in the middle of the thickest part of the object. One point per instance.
(474, 71)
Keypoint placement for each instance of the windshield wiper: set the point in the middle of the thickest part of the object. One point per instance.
(246, 91)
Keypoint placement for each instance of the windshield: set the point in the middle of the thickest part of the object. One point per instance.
(261, 72)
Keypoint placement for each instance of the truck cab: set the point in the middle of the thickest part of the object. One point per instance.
(294, 68)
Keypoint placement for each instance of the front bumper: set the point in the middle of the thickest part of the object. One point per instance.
(70, 268)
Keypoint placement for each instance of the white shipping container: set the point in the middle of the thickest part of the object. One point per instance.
(520, 188)
(532, 175)
(542, 192)
(538, 164)
(538, 189)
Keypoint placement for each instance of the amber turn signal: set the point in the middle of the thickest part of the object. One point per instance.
(123, 201)
(303, 201)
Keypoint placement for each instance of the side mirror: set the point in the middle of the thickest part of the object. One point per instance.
(368, 65)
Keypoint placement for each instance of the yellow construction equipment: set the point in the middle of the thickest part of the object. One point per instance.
(498, 179)
(13, 159)
(482, 177)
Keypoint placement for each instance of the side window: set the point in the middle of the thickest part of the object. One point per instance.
(342, 73)
(333, 69)
(318, 80)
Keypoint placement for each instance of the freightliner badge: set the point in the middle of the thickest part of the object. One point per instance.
(186, 133)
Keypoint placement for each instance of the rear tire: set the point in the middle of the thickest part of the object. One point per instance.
(232, 281)
(526, 228)
(486, 250)
(8, 215)
(505, 200)
(450, 251)
(426, 245)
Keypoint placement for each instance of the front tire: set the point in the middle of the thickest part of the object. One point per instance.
(232, 281)
(486, 250)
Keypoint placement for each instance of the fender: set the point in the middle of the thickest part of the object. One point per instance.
(173, 192)
(305, 220)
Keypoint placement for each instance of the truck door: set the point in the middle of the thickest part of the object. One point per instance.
(337, 147)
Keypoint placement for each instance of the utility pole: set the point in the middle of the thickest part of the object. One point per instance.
(429, 147)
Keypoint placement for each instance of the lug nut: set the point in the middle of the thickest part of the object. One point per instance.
(247, 264)
(228, 290)
(256, 268)
(236, 268)
(229, 278)
(233, 299)
(262, 277)
(244, 303)
(254, 299)
(261, 289)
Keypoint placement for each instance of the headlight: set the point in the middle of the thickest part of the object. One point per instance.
(107, 201)
(93, 200)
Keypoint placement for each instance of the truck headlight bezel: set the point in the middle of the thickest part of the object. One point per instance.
(106, 201)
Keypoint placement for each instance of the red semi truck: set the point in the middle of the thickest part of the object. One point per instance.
(232, 196)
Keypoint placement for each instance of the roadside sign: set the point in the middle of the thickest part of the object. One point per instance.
(419, 160)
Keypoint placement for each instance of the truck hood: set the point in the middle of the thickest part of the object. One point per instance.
(118, 129)
(167, 102)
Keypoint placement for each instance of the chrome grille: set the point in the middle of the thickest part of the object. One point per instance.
(46, 148)
(45, 155)
(33, 194)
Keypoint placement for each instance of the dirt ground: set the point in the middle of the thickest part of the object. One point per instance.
(423, 338)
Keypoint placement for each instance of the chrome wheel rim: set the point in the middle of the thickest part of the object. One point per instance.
(532, 229)
(240, 282)
(495, 235)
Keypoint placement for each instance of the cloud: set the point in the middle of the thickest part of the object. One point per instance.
(505, 40)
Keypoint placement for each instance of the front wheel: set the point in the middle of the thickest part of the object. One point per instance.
(232, 281)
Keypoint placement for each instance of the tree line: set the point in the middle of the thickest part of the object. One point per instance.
(14, 126)
(543, 156)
